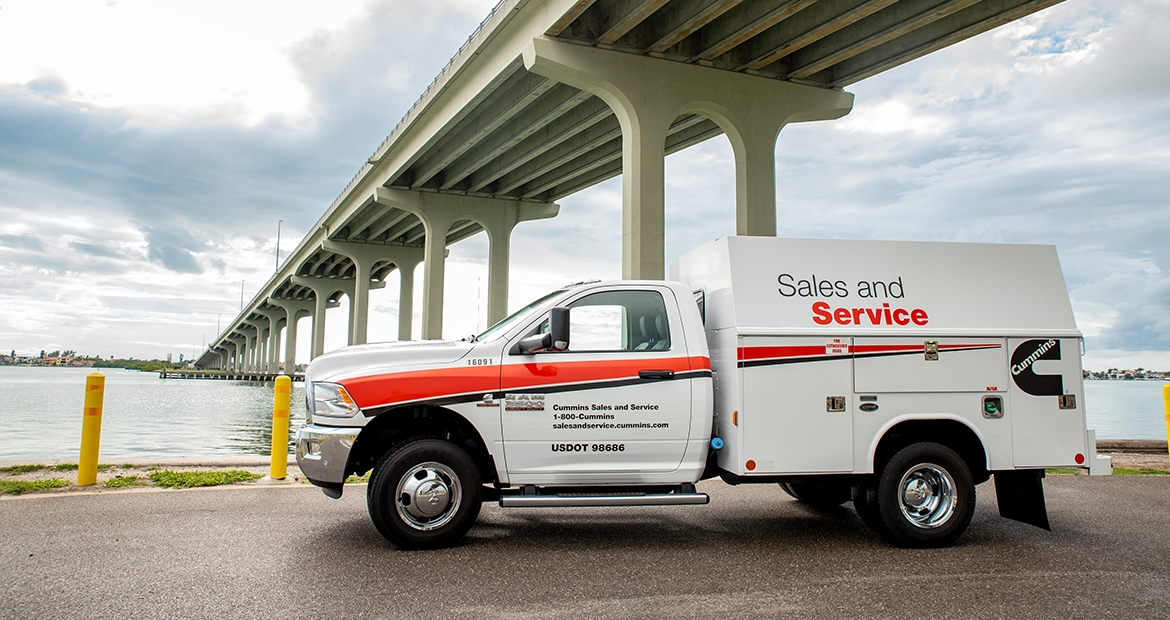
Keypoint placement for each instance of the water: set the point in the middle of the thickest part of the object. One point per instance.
(144, 416)
(1125, 409)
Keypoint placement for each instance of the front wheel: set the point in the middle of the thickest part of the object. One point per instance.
(424, 494)
(925, 496)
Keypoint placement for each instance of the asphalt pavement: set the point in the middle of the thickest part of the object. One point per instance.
(281, 552)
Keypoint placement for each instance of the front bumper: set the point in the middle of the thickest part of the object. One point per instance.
(322, 454)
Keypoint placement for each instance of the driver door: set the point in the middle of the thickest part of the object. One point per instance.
(616, 400)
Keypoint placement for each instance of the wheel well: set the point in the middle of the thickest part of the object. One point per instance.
(394, 426)
(954, 435)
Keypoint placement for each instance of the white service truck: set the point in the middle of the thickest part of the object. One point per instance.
(896, 375)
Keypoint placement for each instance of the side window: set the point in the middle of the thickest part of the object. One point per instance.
(619, 321)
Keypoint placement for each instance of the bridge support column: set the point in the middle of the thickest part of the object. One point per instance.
(256, 344)
(234, 355)
(438, 213)
(261, 350)
(272, 343)
(406, 301)
(294, 309)
(323, 289)
(366, 258)
(249, 347)
(647, 95)
(274, 346)
(258, 360)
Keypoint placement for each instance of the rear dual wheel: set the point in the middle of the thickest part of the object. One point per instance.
(924, 497)
(424, 494)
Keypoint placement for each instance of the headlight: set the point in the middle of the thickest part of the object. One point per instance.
(330, 399)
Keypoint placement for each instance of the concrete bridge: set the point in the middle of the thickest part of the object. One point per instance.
(549, 97)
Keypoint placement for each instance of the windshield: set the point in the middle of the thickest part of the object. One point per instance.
(495, 331)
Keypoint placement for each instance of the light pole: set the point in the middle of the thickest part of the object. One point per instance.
(277, 267)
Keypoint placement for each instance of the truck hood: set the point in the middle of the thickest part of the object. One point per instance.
(367, 359)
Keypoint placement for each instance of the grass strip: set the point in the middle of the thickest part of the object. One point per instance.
(191, 479)
(22, 469)
(73, 467)
(19, 487)
(354, 479)
(119, 482)
(1062, 470)
(1125, 471)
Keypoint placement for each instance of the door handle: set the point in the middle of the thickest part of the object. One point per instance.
(655, 374)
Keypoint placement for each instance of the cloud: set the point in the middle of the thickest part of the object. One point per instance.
(893, 116)
(93, 249)
(167, 65)
(172, 251)
(21, 242)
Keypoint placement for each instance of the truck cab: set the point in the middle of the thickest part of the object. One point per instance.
(623, 403)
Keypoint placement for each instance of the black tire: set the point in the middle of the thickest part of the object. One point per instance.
(424, 468)
(865, 503)
(925, 496)
(820, 495)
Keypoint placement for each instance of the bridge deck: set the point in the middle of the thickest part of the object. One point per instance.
(488, 127)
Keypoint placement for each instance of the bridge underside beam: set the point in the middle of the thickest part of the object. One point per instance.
(822, 42)
(661, 105)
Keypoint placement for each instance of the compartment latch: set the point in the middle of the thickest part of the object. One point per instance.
(930, 350)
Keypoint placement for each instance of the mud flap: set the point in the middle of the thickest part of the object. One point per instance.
(1020, 495)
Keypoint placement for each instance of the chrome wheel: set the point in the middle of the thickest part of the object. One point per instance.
(429, 495)
(424, 493)
(927, 495)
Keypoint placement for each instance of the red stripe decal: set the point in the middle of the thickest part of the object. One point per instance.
(747, 354)
(414, 385)
(757, 353)
(556, 373)
(887, 348)
(420, 385)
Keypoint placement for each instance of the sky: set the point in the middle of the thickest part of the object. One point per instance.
(150, 151)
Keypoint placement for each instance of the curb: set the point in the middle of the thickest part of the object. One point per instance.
(1131, 446)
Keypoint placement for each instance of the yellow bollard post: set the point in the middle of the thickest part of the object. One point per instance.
(1166, 406)
(91, 429)
(279, 468)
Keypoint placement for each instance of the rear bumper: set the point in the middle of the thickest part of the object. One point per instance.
(322, 454)
(1098, 465)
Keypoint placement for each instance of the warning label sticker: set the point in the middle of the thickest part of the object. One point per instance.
(837, 346)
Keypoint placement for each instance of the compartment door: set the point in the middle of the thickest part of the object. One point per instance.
(788, 426)
(888, 365)
(1047, 432)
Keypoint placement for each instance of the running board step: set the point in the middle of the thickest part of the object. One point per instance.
(563, 501)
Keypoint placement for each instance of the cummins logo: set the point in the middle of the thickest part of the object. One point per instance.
(1027, 354)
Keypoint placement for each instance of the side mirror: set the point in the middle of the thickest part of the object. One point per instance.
(557, 338)
(558, 328)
